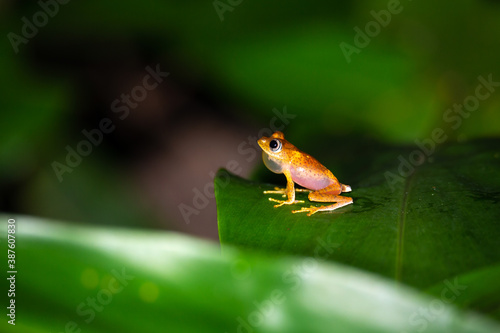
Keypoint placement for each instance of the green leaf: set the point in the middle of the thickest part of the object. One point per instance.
(72, 278)
(439, 222)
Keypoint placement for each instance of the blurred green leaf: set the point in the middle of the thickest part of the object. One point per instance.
(94, 191)
(397, 87)
(98, 280)
(441, 221)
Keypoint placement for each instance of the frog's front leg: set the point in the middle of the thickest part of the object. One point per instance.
(289, 192)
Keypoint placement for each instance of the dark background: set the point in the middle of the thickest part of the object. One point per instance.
(227, 73)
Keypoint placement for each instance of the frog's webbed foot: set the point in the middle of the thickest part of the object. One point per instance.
(284, 202)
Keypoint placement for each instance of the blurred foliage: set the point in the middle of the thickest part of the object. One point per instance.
(397, 87)
(92, 279)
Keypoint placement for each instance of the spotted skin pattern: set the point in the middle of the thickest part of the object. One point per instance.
(280, 156)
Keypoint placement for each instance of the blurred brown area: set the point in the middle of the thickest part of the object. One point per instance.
(168, 146)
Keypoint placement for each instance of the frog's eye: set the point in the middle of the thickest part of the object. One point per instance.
(275, 145)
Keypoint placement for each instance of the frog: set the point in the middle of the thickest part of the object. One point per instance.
(282, 157)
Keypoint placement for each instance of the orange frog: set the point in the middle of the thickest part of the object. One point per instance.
(280, 156)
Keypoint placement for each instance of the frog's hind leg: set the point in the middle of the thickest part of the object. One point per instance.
(328, 194)
(340, 202)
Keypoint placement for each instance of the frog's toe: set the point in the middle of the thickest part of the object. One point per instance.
(310, 210)
(276, 190)
(280, 202)
(284, 202)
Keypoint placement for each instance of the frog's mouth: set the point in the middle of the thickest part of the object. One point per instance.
(264, 143)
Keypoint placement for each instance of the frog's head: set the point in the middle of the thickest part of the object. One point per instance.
(272, 145)
(272, 151)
